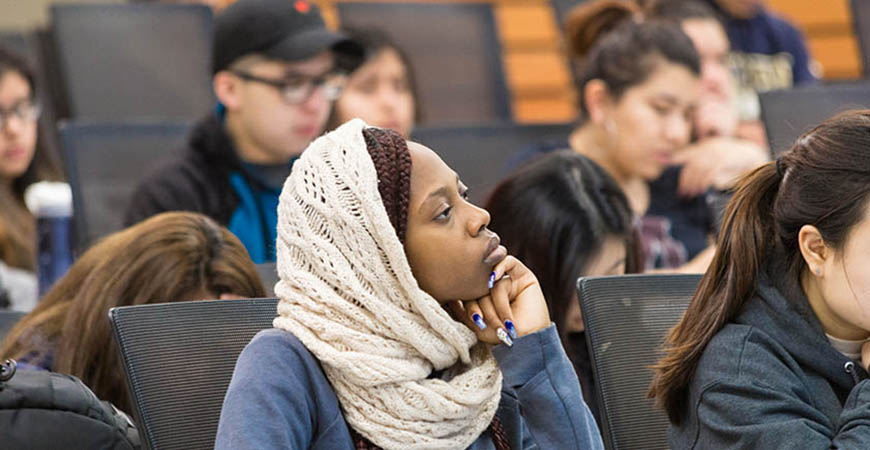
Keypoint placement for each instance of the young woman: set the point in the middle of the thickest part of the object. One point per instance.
(564, 217)
(377, 242)
(382, 91)
(170, 257)
(24, 160)
(772, 351)
(638, 85)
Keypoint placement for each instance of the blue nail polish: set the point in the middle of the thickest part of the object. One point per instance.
(478, 321)
(491, 279)
(510, 328)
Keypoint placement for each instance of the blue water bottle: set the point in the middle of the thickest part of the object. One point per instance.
(51, 205)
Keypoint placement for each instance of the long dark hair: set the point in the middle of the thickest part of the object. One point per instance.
(553, 214)
(821, 181)
(607, 43)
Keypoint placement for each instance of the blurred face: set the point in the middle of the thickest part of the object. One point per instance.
(270, 126)
(712, 45)
(845, 286)
(379, 93)
(610, 260)
(740, 9)
(449, 248)
(651, 121)
(17, 126)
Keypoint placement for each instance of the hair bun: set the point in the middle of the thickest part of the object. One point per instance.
(589, 21)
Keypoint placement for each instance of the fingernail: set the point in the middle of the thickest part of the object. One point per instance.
(503, 337)
(491, 280)
(478, 321)
(510, 329)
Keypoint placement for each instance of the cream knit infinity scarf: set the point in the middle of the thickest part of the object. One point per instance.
(347, 292)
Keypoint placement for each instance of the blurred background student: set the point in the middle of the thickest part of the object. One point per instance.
(24, 159)
(170, 257)
(638, 85)
(564, 217)
(382, 90)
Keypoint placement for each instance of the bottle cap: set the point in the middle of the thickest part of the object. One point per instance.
(49, 199)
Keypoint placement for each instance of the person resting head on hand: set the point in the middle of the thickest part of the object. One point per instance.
(401, 314)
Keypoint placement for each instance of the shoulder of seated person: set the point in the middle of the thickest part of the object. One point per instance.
(277, 344)
(744, 351)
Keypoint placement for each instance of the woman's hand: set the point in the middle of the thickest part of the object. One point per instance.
(515, 305)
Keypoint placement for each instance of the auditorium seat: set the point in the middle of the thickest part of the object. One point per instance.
(104, 164)
(479, 153)
(134, 61)
(627, 318)
(789, 113)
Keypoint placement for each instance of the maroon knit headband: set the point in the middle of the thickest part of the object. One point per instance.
(389, 153)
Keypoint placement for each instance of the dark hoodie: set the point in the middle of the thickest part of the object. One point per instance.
(209, 178)
(771, 379)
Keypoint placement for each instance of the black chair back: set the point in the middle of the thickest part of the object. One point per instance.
(789, 113)
(627, 318)
(480, 153)
(134, 61)
(455, 53)
(179, 359)
(268, 273)
(105, 162)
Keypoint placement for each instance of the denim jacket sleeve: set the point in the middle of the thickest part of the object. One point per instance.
(537, 369)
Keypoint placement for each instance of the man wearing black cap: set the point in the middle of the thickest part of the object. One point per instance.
(277, 70)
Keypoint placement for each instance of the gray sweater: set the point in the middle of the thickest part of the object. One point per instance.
(771, 380)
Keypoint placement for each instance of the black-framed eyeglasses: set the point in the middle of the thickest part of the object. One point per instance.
(296, 90)
(25, 111)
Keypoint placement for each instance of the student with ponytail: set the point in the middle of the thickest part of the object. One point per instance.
(773, 349)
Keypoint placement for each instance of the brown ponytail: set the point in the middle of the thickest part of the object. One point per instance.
(823, 181)
(589, 21)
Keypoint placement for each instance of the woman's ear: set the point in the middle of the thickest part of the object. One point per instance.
(814, 249)
(598, 101)
(227, 89)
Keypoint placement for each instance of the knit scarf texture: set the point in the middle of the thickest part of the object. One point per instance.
(347, 292)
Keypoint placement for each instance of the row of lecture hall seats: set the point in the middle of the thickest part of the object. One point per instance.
(179, 357)
(105, 160)
(152, 61)
(500, 59)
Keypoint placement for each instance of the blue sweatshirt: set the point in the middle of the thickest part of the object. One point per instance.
(279, 398)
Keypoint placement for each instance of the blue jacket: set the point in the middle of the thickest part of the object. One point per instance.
(279, 398)
(771, 380)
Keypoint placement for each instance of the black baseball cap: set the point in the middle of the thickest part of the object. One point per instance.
(289, 30)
